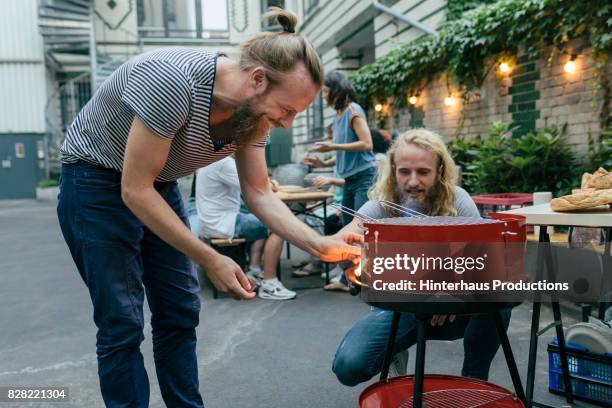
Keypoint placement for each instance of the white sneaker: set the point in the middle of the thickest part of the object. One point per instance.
(399, 364)
(337, 271)
(255, 276)
(336, 278)
(273, 289)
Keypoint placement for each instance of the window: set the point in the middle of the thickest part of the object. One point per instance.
(314, 118)
(214, 15)
(183, 18)
(309, 6)
(19, 150)
(40, 149)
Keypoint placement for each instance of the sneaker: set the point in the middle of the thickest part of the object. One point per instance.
(399, 364)
(255, 276)
(337, 271)
(273, 289)
(336, 286)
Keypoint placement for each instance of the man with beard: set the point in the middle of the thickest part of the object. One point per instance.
(419, 174)
(159, 117)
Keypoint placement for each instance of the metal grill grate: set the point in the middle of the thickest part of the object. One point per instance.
(462, 398)
(434, 221)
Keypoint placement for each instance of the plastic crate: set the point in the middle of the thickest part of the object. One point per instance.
(590, 374)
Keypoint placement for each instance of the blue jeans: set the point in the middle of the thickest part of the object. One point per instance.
(192, 215)
(355, 191)
(249, 227)
(360, 354)
(120, 261)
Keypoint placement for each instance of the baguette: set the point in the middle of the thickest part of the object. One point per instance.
(581, 200)
(600, 179)
(601, 182)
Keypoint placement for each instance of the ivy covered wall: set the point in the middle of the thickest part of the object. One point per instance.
(537, 93)
(534, 39)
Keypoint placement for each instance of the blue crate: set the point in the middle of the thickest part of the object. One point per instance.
(590, 374)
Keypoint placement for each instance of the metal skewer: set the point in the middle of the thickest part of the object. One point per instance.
(353, 213)
(408, 211)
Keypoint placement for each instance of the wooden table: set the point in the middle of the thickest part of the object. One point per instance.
(303, 197)
(544, 216)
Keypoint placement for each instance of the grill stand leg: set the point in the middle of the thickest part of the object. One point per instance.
(419, 371)
(505, 343)
(390, 343)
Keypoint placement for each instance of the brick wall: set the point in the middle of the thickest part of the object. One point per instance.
(537, 93)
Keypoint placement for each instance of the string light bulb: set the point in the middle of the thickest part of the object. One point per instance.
(570, 66)
(378, 107)
(504, 67)
(449, 100)
(413, 100)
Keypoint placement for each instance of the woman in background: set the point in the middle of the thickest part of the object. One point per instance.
(352, 141)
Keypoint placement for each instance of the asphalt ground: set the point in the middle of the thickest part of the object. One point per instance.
(250, 354)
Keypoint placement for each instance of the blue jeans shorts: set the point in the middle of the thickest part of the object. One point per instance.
(249, 227)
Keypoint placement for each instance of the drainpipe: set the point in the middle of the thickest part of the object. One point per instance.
(93, 55)
(405, 19)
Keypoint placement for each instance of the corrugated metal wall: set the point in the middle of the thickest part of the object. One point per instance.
(19, 35)
(22, 69)
(22, 105)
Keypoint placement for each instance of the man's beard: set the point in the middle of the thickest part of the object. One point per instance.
(426, 201)
(249, 126)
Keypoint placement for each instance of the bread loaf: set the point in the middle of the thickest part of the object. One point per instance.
(586, 180)
(583, 199)
(601, 182)
(582, 190)
(600, 172)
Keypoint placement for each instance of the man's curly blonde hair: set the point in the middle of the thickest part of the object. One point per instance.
(440, 199)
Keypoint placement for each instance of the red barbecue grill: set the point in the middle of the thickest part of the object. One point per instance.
(439, 390)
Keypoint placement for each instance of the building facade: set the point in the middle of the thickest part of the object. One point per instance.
(23, 86)
(538, 92)
(54, 54)
(350, 34)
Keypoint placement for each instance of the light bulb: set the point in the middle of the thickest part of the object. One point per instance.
(412, 100)
(378, 107)
(504, 67)
(570, 67)
(449, 101)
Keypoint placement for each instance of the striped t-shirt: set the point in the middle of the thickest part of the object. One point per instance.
(170, 91)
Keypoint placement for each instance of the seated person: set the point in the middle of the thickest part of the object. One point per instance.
(218, 205)
(419, 174)
(331, 225)
(381, 141)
